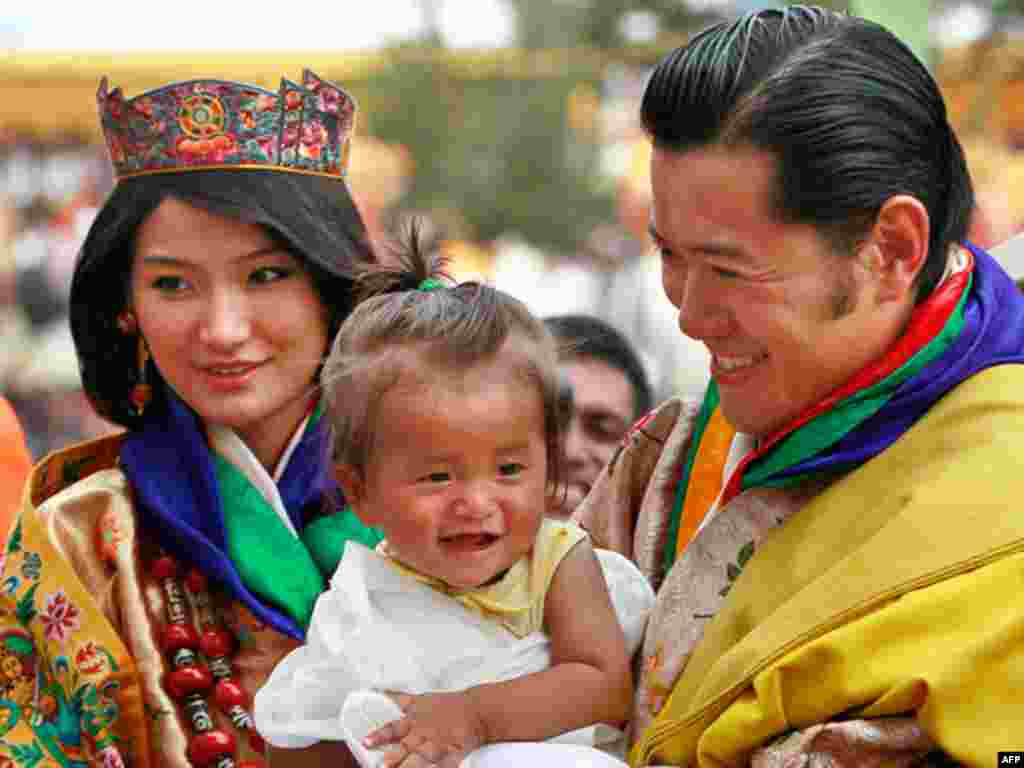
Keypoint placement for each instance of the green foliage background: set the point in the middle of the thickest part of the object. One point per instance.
(492, 142)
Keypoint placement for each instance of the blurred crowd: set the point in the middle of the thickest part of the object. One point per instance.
(49, 194)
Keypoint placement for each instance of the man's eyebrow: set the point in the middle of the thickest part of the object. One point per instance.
(725, 250)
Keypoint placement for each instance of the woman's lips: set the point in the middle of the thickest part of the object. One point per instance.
(228, 378)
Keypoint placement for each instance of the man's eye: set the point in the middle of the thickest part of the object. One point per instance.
(606, 430)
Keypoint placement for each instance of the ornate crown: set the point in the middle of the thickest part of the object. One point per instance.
(205, 124)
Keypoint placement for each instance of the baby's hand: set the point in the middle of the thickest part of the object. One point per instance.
(438, 729)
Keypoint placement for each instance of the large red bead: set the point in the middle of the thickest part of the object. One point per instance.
(205, 748)
(227, 694)
(216, 642)
(256, 742)
(175, 636)
(164, 567)
(186, 680)
(195, 581)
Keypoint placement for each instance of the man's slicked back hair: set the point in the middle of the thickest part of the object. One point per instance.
(848, 111)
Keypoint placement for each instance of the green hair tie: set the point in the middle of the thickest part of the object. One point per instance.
(430, 284)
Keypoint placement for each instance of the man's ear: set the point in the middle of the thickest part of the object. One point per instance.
(354, 488)
(897, 247)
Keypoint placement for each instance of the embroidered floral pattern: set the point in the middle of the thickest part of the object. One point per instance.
(109, 536)
(631, 435)
(60, 617)
(896, 741)
(733, 570)
(213, 123)
(654, 690)
(55, 710)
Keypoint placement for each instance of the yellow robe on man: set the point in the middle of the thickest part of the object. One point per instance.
(890, 597)
(899, 589)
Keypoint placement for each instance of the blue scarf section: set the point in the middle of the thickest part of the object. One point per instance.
(172, 475)
(992, 334)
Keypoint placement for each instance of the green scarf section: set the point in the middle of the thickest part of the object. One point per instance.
(287, 572)
(703, 417)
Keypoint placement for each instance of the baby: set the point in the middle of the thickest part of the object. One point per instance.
(476, 622)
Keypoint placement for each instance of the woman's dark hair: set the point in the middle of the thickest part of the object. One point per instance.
(849, 112)
(585, 337)
(312, 216)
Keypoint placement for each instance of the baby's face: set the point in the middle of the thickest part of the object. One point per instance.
(458, 472)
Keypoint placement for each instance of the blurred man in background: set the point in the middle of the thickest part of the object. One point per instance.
(610, 391)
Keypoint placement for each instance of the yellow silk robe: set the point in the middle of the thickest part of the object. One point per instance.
(81, 670)
(891, 598)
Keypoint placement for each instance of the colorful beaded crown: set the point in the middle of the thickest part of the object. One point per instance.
(211, 124)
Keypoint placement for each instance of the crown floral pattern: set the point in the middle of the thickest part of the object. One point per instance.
(207, 124)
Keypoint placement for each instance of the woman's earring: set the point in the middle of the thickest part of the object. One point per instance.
(126, 323)
(142, 392)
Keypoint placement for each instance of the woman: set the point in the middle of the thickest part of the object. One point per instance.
(154, 578)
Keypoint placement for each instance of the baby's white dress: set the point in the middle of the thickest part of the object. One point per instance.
(377, 628)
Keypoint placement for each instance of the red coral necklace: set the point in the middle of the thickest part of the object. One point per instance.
(193, 676)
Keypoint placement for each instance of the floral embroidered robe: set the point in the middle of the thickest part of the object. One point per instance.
(81, 669)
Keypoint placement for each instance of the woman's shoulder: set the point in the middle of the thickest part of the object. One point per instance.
(82, 467)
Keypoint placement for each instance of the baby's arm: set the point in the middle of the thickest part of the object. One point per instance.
(589, 680)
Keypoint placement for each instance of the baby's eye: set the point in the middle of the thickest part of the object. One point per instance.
(728, 273)
(170, 284)
(510, 469)
(269, 274)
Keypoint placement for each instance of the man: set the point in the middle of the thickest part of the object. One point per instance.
(834, 531)
(609, 389)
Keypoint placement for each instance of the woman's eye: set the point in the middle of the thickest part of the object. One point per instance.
(170, 284)
(510, 469)
(722, 272)
(269, 274)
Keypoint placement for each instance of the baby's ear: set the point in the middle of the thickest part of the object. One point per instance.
(352, 485)
(351, 482)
